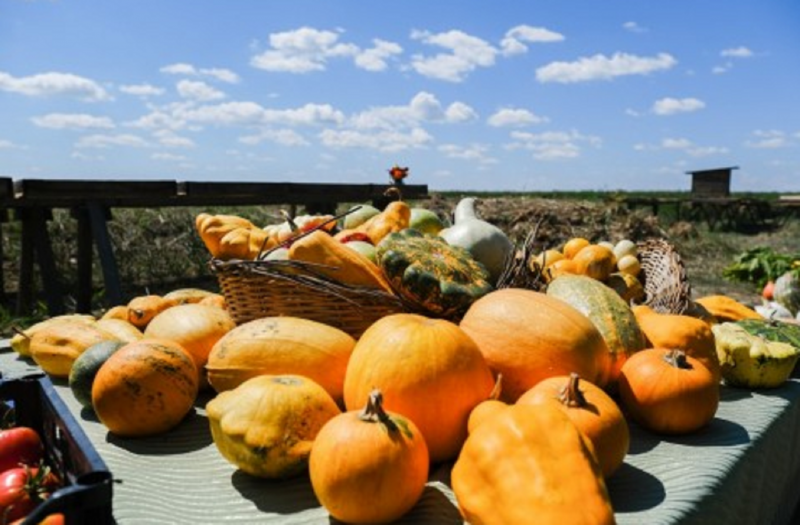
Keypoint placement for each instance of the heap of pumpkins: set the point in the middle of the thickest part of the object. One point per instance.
(528, 392)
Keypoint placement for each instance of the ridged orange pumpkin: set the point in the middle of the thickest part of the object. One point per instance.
(370, 465)
(195, 327)
(680, 332)
(530, 464)
(428, 369)
(281, 345)
(145, 388)
(527, 336)
(593, 412)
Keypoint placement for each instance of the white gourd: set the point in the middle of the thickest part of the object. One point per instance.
(487, 243)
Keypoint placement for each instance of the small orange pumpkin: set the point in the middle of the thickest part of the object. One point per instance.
(667, 391)
(593, 412)
(369, 466)
(145, 388)
(595, 261)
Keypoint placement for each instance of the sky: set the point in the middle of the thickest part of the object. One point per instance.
(492, 95)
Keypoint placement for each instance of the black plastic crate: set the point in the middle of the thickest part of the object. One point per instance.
(86, 495)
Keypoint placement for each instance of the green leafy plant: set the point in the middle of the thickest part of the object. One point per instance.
(760, 265)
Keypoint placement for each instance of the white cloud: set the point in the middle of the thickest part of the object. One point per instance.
(464, 54)
(7, 144)
(473, 152)
(170, 139)
(385, 141)
(105, 141)
(77, 121)
(736, 52)
(199, 91)
(157, 119)
(375, 58)
(250, 113)
(690, 148)
(424, 107)
(552, 145)
(142, 90)
(514, 41)
(284, 137)
(768, 139)
(79, 155)
(718, 70)
(52, 84)
(302, 51)
(671, 106)
(634, 27)
(511, 117)
(223, 75)
(601, 67)
(171, 157)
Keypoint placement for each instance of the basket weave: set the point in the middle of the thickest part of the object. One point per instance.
(666, 286)
(268, 288)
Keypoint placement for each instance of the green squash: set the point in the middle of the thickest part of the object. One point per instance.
(442, 280)
(85, 367)
(607, 311)
(772, 330)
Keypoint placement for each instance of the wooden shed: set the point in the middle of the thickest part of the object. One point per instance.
(714, 182)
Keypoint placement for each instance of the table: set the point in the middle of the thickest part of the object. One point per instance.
(743, 468)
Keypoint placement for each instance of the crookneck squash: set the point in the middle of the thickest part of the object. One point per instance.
(427, 271)
(511, 471)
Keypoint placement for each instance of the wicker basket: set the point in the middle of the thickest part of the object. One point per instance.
(666, 286)
(268, 288)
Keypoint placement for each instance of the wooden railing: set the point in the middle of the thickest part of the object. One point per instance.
(91, 202)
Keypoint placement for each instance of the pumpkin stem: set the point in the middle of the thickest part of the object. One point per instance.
(677, 358)
(19, 331)
(374, 412)
(571, 395)
(497, 389)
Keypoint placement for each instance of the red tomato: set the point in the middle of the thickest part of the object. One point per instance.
(769, 289)
(19, 446)
(23, 488)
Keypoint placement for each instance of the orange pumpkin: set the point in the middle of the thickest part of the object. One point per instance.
(530, 464)
(370, 465)
(428, 369)
(593, 412)
(573, 246)
(195, 327)
(667, 391)
(145, 388)
(681, 332)
(527, 336)
(483, 411)
(117, 312)
(595, 261)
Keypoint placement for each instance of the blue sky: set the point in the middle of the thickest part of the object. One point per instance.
(471, 95)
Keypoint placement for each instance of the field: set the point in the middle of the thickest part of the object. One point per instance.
(158, 250)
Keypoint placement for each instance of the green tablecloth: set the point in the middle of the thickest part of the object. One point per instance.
(743, 468)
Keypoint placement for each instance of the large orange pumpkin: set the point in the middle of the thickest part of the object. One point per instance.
(429, 370)
(145, 388)
(527, 336)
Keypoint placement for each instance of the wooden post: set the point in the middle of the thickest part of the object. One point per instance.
(98, 215)
(36, 244)
(84, 293)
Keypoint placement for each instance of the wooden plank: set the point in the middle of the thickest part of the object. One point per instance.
(97, 218)
(85, 256)
(244, 193)
(69, 193)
